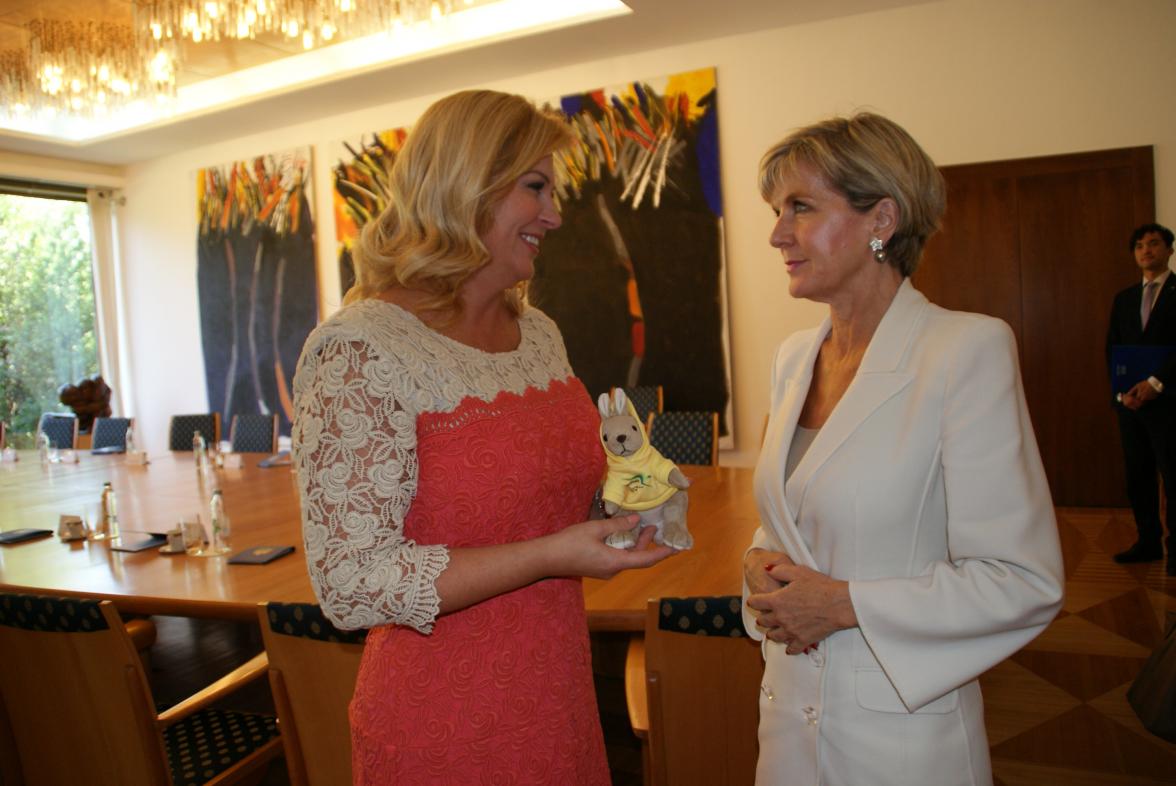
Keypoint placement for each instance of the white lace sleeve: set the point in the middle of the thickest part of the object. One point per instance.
(355, 453)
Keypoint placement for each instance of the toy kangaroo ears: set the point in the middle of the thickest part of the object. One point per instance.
(615, 407)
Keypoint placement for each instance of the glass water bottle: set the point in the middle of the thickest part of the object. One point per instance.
(106, 528)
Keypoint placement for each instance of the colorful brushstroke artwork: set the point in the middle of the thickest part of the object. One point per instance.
(256, 280)
(635, 276)
(361, 192)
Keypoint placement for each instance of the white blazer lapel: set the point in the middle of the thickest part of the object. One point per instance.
(774, 509)
(880, 376)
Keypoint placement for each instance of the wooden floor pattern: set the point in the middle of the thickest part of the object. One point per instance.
(1057, 711)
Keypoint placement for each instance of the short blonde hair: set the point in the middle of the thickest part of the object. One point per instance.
(459, 161)
(867, 158)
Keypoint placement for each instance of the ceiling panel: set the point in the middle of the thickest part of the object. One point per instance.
(653, 24)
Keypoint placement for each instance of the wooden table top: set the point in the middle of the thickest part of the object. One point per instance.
(263, 508)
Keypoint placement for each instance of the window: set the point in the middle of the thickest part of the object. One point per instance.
(47, 329)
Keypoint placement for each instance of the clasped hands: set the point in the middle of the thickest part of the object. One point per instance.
(1140, 393)
(795, 605)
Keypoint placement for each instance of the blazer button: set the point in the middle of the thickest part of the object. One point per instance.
(810, 715)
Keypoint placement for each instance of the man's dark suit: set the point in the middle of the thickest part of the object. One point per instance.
(1148, 434)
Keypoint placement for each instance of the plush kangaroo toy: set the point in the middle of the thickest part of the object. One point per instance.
(639, 479)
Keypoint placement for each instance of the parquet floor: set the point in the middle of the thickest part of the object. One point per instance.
(1057, 711)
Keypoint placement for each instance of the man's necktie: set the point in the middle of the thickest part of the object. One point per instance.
(1149, 297)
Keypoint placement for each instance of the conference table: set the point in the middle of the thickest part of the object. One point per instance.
(262, 504)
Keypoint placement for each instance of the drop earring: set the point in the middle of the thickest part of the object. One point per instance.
(879, 251)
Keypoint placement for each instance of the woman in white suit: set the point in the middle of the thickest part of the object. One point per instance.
(907, 539)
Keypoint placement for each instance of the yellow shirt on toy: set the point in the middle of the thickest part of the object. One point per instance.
(639, 481)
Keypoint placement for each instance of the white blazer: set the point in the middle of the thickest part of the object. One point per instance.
(925, 491)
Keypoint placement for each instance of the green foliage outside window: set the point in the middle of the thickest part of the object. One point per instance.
(47, 336)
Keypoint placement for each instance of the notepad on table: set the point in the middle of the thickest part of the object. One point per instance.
(21, 535)
(149, 540)
(260, 555)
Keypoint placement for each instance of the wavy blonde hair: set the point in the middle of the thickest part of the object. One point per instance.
(459, 161)
(867, 158)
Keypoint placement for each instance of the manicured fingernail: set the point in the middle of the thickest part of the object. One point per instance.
(769, 566)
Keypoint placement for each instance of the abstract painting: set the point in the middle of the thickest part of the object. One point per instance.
(361, 192)
(256, 280)
(635, 277)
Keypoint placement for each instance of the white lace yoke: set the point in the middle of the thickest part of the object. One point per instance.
(364, 377)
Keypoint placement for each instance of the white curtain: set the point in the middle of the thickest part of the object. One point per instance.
(114, 358)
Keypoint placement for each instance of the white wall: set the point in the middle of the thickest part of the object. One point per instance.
(972, 80)
(56, 170)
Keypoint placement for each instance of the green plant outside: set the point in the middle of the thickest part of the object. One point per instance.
(47, 326)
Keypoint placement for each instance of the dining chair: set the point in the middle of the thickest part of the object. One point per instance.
(78, 707)
(109, 435)
(182, 427)
(646, 399)
(61, 428)
(254, 433)
(313, 667)
(692, 687)
(685, 437)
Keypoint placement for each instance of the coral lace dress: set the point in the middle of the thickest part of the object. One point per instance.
(407, 444)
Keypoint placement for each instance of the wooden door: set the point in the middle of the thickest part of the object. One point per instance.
(1042, 243)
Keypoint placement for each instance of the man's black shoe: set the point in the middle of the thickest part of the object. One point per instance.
(1140, 553)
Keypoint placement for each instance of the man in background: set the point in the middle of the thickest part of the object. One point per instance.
(1144, 315)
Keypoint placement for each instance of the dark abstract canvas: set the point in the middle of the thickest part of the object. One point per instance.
(256, 281)
(635, 276)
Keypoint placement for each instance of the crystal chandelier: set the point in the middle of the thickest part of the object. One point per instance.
(16, 84)
(314, 22)
(87, 68)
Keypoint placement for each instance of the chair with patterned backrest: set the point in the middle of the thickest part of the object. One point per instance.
(61, 428)
(692, 687)
(313, 667)
(182, 427)
(686, 437)
(646, 399)
(109, 434)
(254, 434)
(78, 707)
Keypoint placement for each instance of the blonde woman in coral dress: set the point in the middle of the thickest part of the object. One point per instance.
(447, 460)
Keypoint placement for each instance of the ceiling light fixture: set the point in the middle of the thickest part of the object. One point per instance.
(84, 69)
(435, 32)
(313, 22)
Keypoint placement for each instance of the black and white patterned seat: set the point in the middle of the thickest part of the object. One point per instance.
(61, 429)
(685, 437)
(646, 399)
(254, 433)
(306, 620)
(715, 615)
(206, 743)
(184, 426)
(109, 433)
